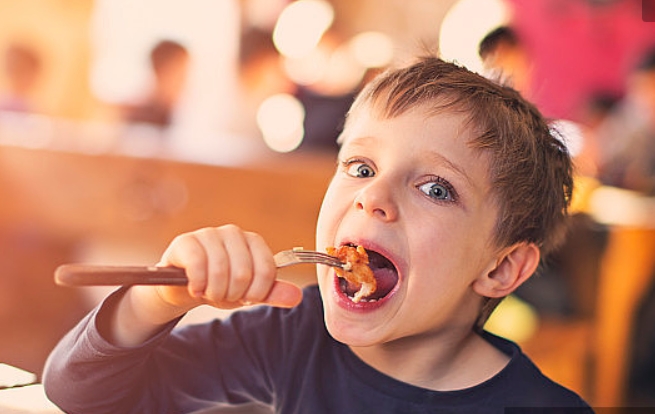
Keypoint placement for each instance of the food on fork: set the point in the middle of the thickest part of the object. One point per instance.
(356, 270)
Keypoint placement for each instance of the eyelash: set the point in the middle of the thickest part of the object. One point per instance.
(452, 196)
(347, 165)
(451, 193)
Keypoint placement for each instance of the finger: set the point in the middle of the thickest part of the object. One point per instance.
(241, 263)
(218, 262)
(264, 270)
(187, 252)
(284, 294)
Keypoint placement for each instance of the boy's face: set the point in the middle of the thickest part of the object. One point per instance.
(412, 190)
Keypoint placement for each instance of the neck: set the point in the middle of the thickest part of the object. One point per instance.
(439, 363)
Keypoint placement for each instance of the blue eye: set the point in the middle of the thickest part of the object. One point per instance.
(360, 170)
(438, 190)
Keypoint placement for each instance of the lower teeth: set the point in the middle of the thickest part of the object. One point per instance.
(352, 299)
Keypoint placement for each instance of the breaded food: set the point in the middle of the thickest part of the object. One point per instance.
(356, 271)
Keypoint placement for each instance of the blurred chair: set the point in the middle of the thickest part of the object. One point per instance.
(627, 272)
(34, 313)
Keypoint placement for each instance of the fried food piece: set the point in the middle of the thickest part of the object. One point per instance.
(356, 270)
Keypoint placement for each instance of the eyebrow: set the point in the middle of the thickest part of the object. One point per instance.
(440, 159)
(354, 142)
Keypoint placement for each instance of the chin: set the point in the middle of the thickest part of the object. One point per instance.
(351, 334)
(353, 329)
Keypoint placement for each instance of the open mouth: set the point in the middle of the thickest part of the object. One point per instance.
(386, 278)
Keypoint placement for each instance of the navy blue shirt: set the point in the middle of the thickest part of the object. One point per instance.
(281, 360)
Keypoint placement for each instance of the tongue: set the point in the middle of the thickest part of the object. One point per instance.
(386, 280)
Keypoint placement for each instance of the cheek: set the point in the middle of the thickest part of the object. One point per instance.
(456, 250)
(328, 218)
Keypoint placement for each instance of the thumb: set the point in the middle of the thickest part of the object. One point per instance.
(284, 294)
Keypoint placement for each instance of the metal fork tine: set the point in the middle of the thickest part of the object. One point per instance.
(315, 256)
(289, 257)
(310, 254)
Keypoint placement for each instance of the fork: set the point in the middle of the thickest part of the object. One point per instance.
(75, 274)
(298, 255)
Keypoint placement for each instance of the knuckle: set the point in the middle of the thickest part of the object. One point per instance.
(254, 236)
(238, 285)
(231, 228)
(241, 276)
(196, 262)
(269, 270)
(204, 232)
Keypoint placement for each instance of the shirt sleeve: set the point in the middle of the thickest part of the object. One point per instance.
(231, 362)
(86, 374)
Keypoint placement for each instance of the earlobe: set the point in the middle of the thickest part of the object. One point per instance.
(514, 266)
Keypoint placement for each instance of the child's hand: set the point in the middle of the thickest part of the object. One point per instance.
(227, 268)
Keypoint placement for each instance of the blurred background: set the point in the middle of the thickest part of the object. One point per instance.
(124, 123)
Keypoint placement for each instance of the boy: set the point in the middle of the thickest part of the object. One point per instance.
(454, 186)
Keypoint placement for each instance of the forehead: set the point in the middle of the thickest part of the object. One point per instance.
(426, 117)
(417, 132)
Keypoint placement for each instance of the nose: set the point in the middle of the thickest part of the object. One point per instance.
(378, 200)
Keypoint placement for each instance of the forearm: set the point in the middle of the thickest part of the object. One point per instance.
(190, 368)
(85, 373)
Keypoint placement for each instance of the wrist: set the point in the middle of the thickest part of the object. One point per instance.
(139, 315)
(150, 306)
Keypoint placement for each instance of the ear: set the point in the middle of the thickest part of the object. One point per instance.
(513, 267)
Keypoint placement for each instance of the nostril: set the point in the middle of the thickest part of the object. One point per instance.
(376, 201)
(380, 212)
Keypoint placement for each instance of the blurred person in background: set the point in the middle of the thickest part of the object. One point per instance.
(593, 113)
(261, 75)
(627, 136)
(327, 100)
(505, 58)
(21, 67)
(169, 61)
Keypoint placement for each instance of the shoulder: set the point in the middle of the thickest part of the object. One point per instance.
(522, 384)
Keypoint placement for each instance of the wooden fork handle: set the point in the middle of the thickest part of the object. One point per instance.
(94, 275)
